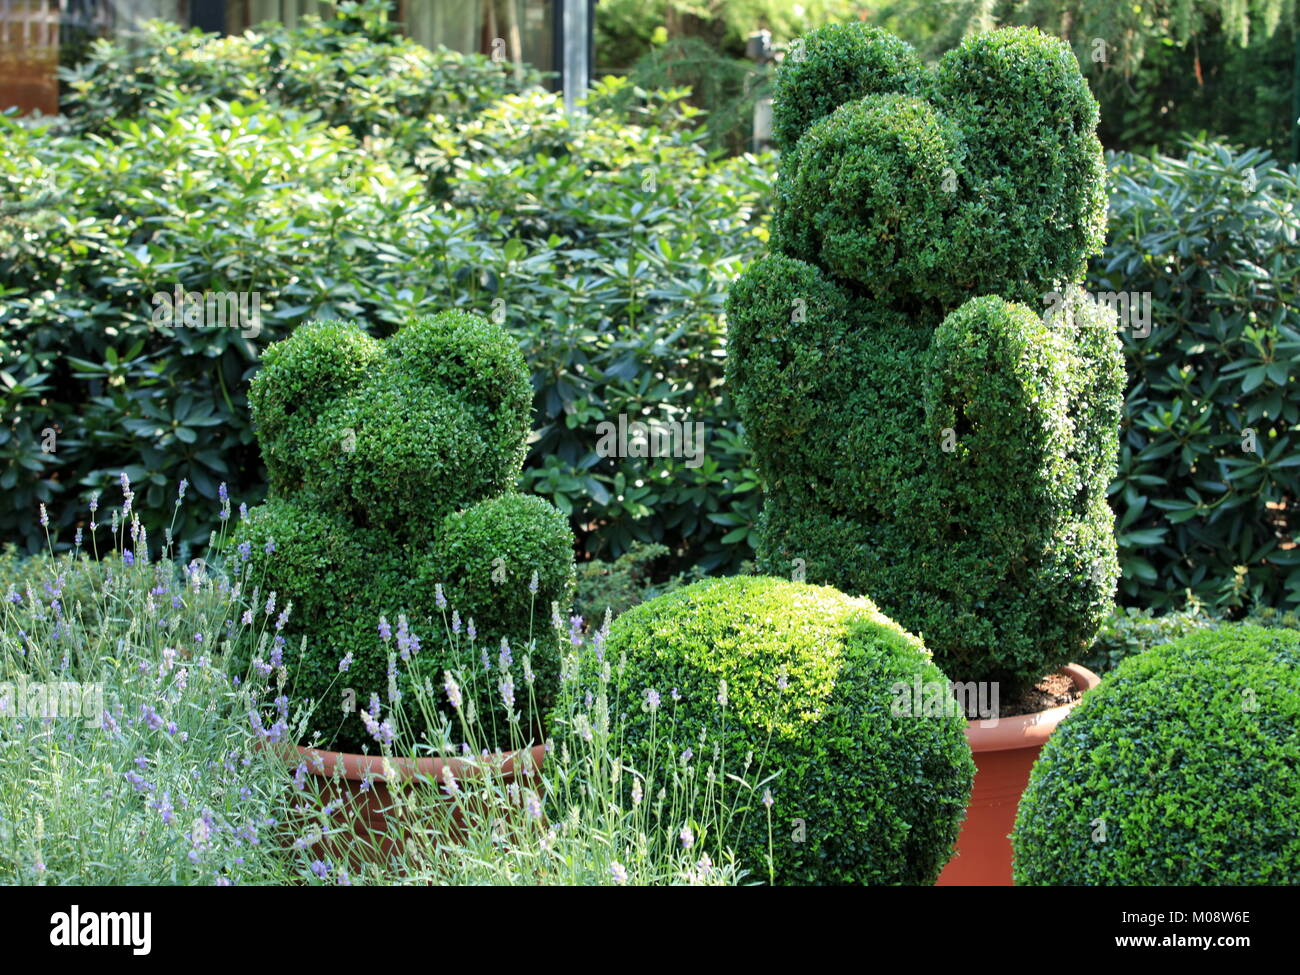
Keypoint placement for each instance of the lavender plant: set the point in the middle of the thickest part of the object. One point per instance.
(138, 747)
(124, 758)
(586, 816)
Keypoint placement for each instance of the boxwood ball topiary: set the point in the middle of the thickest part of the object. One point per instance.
(1182, 768)
(933, 405)
(392, 465)
(812, 685)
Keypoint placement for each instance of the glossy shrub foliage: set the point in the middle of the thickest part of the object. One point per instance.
(1209, 461)
(603, 244)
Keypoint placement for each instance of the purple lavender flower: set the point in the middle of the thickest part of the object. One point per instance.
(385, 631)
(180, 493)
(403, 637)
(505, 659)
(245, 551)
(138, 782)
(345, 663)
(165, 809)
(45, 518)
(127, 557)
(439, 599)
(453, 689)
(320, 868)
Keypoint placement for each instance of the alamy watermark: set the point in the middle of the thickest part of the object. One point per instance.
(651, 439)
(179, 308)
(52, 699)
(938, 699)
(1132, 309)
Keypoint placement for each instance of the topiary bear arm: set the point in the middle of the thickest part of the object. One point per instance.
(998, 427)
(485, 557)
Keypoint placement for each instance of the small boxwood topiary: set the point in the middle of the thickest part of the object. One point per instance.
(391, 466)
(1182, 768)
(867, 792)
(926, 435)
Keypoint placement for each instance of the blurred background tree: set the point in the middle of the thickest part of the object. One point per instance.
(1162, 69)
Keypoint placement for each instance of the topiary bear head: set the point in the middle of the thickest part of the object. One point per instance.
(926, 437)
(392, 465)
(393, 434)
(984, 176)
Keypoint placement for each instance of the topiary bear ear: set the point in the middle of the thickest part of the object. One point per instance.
(836, 64)
(299, 377)
(1036, 208)
(469, 358)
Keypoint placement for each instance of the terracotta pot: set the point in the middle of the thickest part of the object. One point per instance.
(365, 804)
(1005, 749)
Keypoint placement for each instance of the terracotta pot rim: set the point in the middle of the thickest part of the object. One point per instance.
(356, 767)
(1027, 730)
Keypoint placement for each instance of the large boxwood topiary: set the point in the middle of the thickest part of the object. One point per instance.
(392, 465)
(1182, 768)
(867, 791)
(926, 434)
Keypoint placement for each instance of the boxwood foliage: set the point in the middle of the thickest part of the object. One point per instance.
(809, 678)
(1182, 768)
(926, 435)
(392, 465)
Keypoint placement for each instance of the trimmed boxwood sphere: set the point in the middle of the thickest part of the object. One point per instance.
(1182, 768)
(880, 796)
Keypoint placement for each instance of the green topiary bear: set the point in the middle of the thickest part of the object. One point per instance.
(392, 465)
(927, 436)
(1182, 768)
